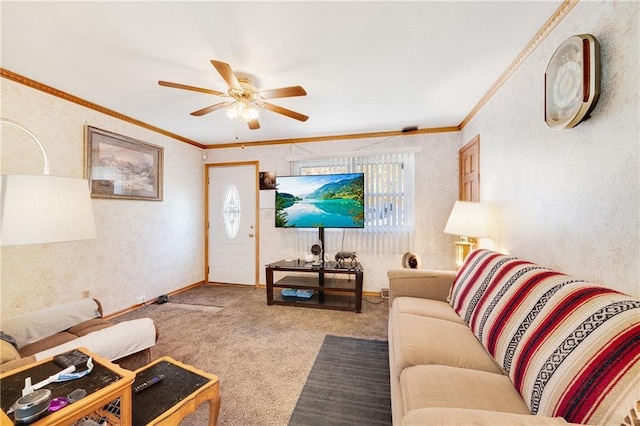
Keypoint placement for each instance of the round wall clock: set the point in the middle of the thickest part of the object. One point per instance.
(572, 82)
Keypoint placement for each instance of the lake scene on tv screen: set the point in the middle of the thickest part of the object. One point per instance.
(314, 201)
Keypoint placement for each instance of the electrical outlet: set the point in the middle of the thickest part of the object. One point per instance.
(384, 293)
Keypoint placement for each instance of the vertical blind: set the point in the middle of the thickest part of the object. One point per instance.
(389, 202)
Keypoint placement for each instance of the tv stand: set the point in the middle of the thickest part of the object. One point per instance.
(343, 294)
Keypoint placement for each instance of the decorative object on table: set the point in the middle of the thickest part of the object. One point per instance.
(468, 220)
(122, 167)
(316, 250)
(572, 82)
(39, 209)
(411, 260)
(346, 259)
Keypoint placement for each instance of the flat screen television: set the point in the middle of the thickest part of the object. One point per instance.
(320, 201)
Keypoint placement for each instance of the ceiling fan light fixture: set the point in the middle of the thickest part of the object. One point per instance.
(243, 111)
(244, 101)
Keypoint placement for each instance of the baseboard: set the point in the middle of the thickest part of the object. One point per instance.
(150, 302)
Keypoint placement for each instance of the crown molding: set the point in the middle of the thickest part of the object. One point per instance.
(333, 138)
(546, 29)
(10, 75)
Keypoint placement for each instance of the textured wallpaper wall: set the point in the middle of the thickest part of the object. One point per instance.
(143, 249)
(569, 199)
(436, 191)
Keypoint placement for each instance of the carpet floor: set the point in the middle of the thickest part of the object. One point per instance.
(348, 385)
(262, 354)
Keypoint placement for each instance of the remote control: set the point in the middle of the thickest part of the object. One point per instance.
(144, 385)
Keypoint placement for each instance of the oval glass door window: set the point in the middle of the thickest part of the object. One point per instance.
(231, 213)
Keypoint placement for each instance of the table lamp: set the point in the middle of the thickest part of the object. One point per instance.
(40, 209)
(468, 220)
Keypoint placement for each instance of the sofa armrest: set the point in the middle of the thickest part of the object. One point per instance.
(424, 283)
(114, 342)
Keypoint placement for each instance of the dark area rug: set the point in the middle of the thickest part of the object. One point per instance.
(348, 385)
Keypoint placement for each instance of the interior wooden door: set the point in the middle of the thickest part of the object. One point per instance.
(232, 238)
(469, 158)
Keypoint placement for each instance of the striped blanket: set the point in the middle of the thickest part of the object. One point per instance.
(571, 348)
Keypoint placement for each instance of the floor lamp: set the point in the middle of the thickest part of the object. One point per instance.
(468, 220)
(39, 209)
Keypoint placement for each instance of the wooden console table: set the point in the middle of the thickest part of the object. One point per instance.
(328, 292)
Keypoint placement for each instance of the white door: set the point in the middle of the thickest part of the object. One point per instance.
(232, 224)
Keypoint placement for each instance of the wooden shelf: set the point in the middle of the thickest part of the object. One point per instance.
(329, 292)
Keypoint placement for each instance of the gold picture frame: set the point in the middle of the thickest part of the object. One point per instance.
(121, 167)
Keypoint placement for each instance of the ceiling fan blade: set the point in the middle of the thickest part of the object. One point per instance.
(192, 88)
(227, 73)
(253, 124)
(284, 111)
(211, 108)
(283, 92)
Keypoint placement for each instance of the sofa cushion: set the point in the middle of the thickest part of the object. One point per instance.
(572, 348)
(466, 417)
(451, 387)
(423, 340)
(427, 308)
(49, 342)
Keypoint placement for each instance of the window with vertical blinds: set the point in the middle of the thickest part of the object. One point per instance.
(389, 199)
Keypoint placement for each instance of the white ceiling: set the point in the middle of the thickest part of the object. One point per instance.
(366, 66)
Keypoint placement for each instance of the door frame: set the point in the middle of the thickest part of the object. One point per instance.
(207, 167)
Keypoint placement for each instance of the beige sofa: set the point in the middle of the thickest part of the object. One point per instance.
(50, 331)
(507, 342)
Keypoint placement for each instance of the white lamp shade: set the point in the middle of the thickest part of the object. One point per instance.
(467, 219)
(40, 209)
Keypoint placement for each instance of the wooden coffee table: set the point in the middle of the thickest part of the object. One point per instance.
(105, 384)
(180, 393)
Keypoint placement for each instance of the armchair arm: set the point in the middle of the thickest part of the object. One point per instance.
(428, 284)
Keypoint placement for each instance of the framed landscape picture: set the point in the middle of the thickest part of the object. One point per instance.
(121, 167)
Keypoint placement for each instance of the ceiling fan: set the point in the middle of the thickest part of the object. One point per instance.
(245, 99)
